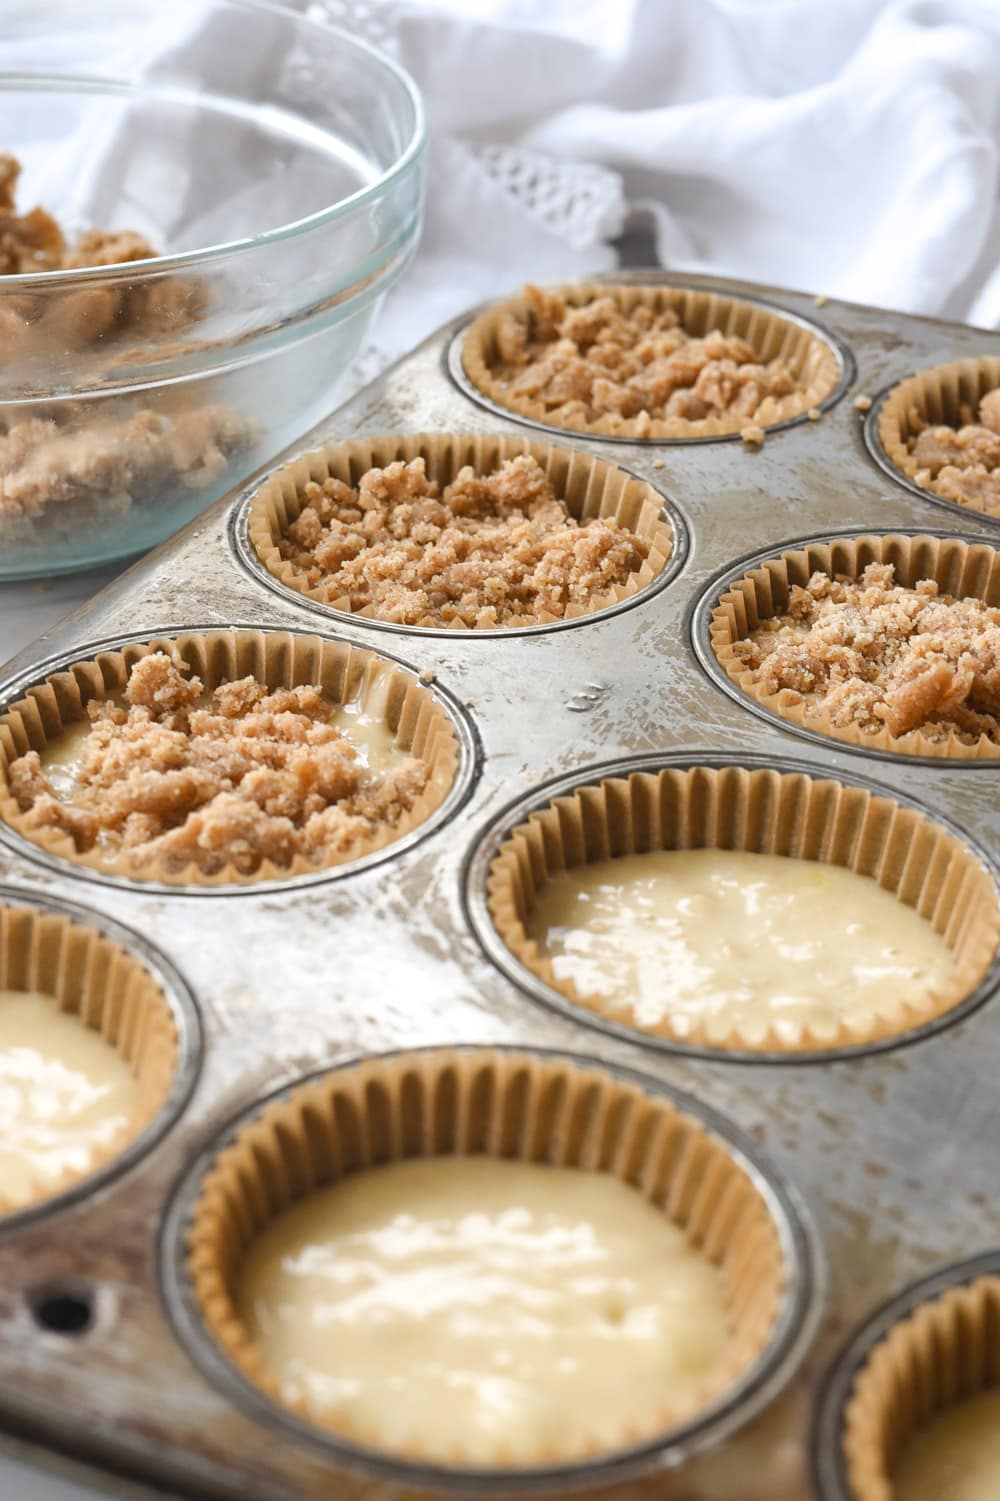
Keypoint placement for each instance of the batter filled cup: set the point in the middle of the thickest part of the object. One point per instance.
(958, 467)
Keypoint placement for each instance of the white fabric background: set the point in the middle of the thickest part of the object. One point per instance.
(850, 147)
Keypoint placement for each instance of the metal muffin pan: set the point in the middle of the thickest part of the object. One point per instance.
(892, 1149)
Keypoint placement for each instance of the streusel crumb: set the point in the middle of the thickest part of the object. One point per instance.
(176, 776)
(629, 369)
(485, 550)
(963, 464)
(871, 653)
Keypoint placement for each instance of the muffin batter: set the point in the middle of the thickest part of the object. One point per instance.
(66, 1096)
(483, 1311)
(956, 1457)
(730, 939)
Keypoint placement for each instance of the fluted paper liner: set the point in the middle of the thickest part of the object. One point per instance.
(766, 812)
(588, 486)
(962, 569)
(771, 334)
(486, 1102)
(111, 991)
(947, 395)
(946, 1351)
(420, 724)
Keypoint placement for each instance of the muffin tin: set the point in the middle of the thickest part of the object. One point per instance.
(892, 1146)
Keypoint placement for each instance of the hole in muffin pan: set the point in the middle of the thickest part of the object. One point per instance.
(66, 1309)
(847, 369)
(190, 1046)
(876, 450)
(487, 844)
(791, 1336)
(241, 546)
(468, 765)
(828, 1462)
(700, 626)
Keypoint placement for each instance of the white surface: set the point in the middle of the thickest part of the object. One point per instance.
(845, 146)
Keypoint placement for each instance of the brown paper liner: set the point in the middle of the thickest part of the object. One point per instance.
(962, 569)
(588, 486)
(946, 1351)
(111, 991)
(948, 395)
(420, 724)
(772, 335)
(486, 1102)
(766, 812)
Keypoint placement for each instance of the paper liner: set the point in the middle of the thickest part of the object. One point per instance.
(111, 991)
(420, 724)
(486, 1102)
(771, 334)
(961, 569)
(949, 395)
(946, 1351)
(766, 812)
(588, 486)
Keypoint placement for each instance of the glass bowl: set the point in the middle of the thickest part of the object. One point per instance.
(277, 164)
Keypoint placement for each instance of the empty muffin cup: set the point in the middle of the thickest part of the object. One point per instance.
(93, 1052)
(947, 395)
(961, 569)
(523, 1108)
(760, 811)
(590, 488)
(815, 364)
(406, 724)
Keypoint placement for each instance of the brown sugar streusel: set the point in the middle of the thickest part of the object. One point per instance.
(871, 653)
(594, 362)
(963, 464)
(481, 552)
(175, 776)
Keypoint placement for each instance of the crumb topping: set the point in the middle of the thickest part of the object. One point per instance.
(874, 654)
(236, 776)
(963, 464)
(595, 362)
(483, 551)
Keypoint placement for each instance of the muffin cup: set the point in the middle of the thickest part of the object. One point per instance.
(771, 334)
(589, 486)
(485, 1102)
(962, 569)
(420, 724)
(766, 812)
(946, 1351)
(94, 978)
(947, 394)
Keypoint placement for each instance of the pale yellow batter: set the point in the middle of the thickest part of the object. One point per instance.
(730, 939)
(66, 1096)
(481, 1311)
(956, 1457)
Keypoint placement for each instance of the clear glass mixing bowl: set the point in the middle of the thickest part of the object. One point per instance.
(277, 164)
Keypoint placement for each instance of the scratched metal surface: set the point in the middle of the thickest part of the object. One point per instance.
(896, 1152)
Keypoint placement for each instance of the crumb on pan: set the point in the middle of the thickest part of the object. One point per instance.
(752, 434)
(863, 403)
(174, 777)
(963, 464)
(876, 655)
(814, 414)
(595, 362)
(821, 299)
(482, 551)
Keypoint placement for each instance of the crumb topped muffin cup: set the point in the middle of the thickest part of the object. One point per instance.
(931, 1349)
(591, 489)
(818, 368)
(204, 852)
(749, 599)
(101, 974)
(647, 806)
(518, 1105)
(946, 395)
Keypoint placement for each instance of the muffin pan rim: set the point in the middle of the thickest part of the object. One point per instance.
(487, 842)
(699, 624)
(191, 1050)
(803, 1305)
